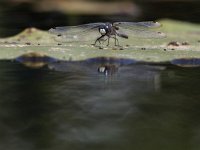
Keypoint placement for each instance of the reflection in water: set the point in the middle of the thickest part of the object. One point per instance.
(108, 69)
(186, 62)
(73, 106)
(35, 59)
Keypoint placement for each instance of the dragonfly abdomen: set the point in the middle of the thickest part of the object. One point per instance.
(122, 35)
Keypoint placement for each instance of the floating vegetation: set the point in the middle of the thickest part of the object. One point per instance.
(181, 42)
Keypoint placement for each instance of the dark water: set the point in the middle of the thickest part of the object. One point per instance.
(72, 106)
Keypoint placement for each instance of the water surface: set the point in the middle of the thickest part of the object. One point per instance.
(73, 106)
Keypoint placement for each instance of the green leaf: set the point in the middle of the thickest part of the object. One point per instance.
(182, 41)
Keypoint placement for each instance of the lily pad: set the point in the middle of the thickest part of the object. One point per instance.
(186, 37)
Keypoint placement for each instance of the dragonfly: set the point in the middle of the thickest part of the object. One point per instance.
(101, 32)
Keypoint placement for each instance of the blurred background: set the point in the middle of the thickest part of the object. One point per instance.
(16, 15)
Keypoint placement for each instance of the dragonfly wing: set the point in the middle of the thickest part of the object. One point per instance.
(85, 32)
(141, 33)
(138, 25)
(139, 29)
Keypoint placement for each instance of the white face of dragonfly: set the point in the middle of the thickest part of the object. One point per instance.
(102, 31)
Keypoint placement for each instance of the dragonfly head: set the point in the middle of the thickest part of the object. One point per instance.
(102, 31)
(105, 29)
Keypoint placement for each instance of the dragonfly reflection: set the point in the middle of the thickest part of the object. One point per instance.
(101, 32)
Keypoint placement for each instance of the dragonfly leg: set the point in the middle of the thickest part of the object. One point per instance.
(98, 39)
(108, 41)
(116, 41)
